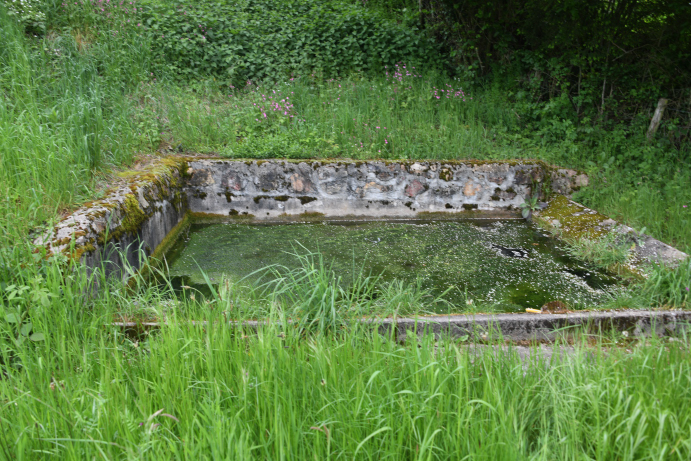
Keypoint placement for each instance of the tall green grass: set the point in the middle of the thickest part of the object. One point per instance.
(216, 391)
(415, 115)
(63, 115)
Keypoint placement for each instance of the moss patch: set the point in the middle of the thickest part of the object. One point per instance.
(133, 218)
(306, 199)
(200, 217)
(570, 220)
(445, 174)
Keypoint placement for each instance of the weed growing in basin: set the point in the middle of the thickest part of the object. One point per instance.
(313, 294)
(314, 297)
(399, 298)
(605, 252)
(530, 206)
(309, 293)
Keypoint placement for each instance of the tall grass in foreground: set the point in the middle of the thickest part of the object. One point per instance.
(216, 391)
(295, 390)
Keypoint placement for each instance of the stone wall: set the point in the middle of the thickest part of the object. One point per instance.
(572, 221)
(130, 222)
(270, 189)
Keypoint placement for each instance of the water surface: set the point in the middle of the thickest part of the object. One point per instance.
(469, 259)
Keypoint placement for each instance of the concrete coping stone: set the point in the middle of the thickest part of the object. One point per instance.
(570, 220)
(540, 328)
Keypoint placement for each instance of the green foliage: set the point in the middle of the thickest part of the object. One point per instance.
(28, 13)
(265, 40)
(284, 145)
(531, 204)
(605, 252)
(23, 329)
(670, 287)
(563, 79)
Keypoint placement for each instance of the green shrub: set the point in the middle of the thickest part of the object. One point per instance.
(29, 14)
(271, 40)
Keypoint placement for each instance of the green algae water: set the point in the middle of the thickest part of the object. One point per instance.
(508, 264)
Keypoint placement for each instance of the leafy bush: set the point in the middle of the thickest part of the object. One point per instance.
(29, 14)
(270, 40)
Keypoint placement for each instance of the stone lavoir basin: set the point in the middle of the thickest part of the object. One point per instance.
(451, 227)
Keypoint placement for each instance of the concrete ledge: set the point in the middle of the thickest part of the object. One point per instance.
(505, 327)
(573, 221)
(542, 327)
(129, 223)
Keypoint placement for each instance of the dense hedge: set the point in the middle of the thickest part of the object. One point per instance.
(571, 59)
(270, 40)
